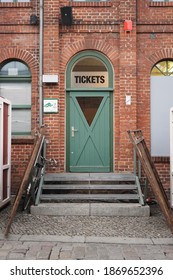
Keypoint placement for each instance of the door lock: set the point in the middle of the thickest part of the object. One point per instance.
(73, 130)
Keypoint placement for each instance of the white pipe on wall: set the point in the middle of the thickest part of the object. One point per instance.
(171, 157)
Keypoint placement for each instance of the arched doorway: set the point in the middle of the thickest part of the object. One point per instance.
(161, 102)
(89, 86)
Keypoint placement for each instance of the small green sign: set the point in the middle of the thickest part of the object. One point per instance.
(50, 105)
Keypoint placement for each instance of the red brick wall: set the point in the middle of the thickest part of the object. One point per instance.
(19, 40)
(20, 156)
(97, 26)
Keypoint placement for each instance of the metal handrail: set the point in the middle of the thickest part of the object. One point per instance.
(136, 164)
(137, 173)
(42, 153)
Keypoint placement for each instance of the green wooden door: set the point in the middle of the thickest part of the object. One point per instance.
(89, 132)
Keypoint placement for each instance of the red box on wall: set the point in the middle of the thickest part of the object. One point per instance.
(128, 25)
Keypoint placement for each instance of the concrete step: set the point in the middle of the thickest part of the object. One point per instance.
(91, 209)
(94, 194)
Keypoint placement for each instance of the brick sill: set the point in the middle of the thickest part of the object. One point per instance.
(22, 140)
(16, 5)
(91, 4)
(160, 4)
(161, 159)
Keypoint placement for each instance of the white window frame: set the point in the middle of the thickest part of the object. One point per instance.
(13, 79)
(161, 100)
(14, 1)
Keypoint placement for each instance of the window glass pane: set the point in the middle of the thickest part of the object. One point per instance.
(15, 68)
(162, 0)
(21, 121)
(163, 68)
(161, 102)
(17, 93)
(89, 107)
(89, 72)
(89, 64)
(15, 85)
(90, 0)
(7, 1)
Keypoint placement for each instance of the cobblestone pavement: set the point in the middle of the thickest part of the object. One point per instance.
(83, 237)
(143, 227)
(49, 247)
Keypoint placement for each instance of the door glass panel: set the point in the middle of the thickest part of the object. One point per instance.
(89, 106)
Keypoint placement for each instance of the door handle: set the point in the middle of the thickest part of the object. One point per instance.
(73, 130)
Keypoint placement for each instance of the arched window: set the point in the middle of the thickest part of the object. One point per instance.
(161, 102)
(89, 72)
(163, 68)
(7, 1)
(162, 0)
(15, 85)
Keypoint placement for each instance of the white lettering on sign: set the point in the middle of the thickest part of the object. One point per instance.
(89, 79)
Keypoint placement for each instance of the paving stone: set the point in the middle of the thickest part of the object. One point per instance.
(20, 247)
(10, 237)
(44, 253)
(169, 256)
(1, 243)
(141, 248)
(4, 254)
(117, 256)
(168, 241)
(114, 251)
(158, 256)
(8, 245)
(154, 248)
(91, 252)
(131, 256)
(78, 252)
(167, 248)
(55, 253)
(145, 257)
(65, 255)
(33, 251)
(16, 256)
(2, 236)
(102, 252)
(30, 244)
(19, 251)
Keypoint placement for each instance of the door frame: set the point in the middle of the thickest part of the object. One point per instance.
(69, 89)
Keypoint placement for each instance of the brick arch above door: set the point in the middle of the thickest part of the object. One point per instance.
(89, 44)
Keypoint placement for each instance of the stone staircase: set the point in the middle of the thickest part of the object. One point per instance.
(93, 194)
